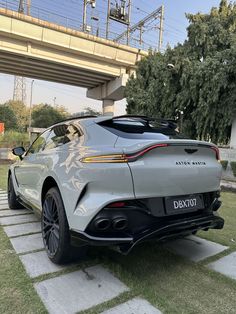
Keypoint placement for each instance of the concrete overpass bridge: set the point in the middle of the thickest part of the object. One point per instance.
(38, 49)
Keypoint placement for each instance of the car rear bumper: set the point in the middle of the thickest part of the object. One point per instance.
(160, 231)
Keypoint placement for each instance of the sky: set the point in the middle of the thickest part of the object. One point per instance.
(74, 98)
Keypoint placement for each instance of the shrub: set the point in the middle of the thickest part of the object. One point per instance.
(12, 139)
(224, 164)
(233, 166)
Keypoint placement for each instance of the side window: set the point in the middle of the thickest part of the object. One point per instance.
(38, 144)
(60, 135)
(72, 133)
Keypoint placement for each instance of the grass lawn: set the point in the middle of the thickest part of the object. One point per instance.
(226, 236)
(17, 292)
(169, 282)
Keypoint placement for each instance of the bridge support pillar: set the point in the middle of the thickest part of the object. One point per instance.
(233, 134)
(109, 93)
(108, 107)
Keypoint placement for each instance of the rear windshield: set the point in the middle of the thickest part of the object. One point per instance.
(132, 129)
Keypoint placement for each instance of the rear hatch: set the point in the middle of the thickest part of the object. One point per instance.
(164, 163)
(180, 168)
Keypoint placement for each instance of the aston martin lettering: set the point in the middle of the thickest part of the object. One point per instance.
(198, 163)
(190, 163)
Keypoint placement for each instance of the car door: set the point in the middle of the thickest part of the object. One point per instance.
(29, 171)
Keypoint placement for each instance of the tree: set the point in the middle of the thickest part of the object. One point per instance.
(44, 115)
(21, 113)
(92, 112)
(202, 82)
(88, 111)
(8, 117)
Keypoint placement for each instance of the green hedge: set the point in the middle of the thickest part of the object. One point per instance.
(224, 164)
(233, 166)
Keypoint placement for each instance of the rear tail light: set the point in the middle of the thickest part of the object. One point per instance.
(217, 152)
(122, 158)
(105, 159)
(116, 205)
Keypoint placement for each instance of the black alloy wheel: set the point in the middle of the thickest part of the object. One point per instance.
(55, 229)
(50, 226)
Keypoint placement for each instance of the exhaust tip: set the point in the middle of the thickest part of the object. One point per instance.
(102, 224)
(120, 223)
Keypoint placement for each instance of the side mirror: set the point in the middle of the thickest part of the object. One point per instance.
(18, 151)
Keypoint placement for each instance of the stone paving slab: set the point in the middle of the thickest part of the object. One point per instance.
(79, 290)
(5, 206)
(18, 230)
(134, 306)
(3, 202)
(27, 243)
(225, 265)
(17, 219)
(195, 248)
(3, 197)
(10, 212)
(38, 263)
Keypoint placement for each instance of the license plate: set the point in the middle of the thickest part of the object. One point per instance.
(184, 203)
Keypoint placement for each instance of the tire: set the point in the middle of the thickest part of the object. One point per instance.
(12, 199)
(55, 229)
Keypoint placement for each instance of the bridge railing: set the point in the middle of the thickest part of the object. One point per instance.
(43, 14)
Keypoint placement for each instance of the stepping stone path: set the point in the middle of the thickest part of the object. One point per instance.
(86, 288)
(82, 289)
(194, 248)
(225, 265)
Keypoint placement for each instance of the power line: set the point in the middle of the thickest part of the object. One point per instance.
(156, 14)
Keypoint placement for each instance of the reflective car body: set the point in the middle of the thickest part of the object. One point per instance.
(122, 180)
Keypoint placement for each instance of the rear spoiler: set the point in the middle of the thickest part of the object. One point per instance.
(169, 123)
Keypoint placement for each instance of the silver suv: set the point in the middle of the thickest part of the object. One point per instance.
(116, 181)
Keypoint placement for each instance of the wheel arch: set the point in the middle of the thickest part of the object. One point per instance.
(48, 183)
(12, 175)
